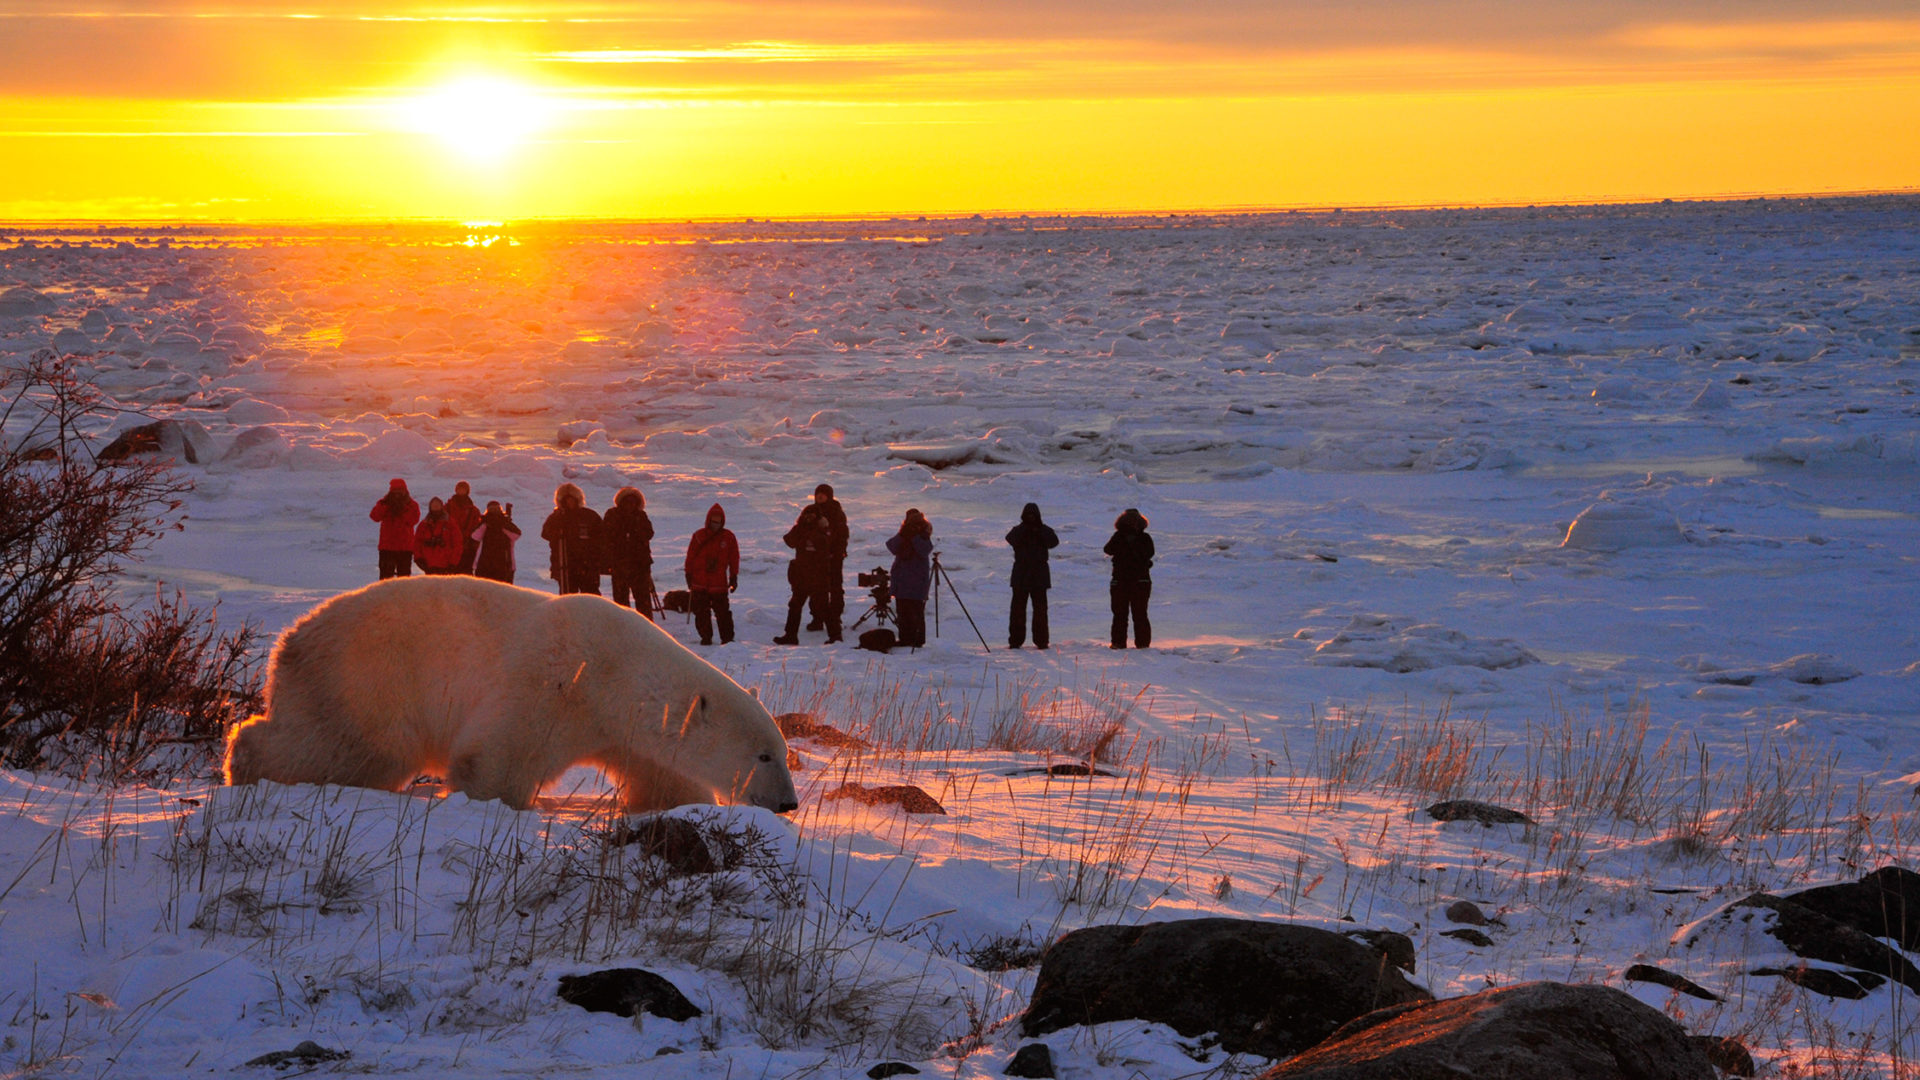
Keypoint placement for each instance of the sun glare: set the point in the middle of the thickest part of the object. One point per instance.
(482, 118)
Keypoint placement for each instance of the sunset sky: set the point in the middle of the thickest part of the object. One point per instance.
(298, 109)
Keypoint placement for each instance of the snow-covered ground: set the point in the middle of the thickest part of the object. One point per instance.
(1488, 490)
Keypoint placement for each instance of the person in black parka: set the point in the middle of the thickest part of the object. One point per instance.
(493, 541)
(836, 574)
(626, 535)
(572, 533)
(1030, 540)
(1132, 552)
(811, 539)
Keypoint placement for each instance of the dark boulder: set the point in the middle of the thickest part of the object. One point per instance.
(800, 725)
(1267, 988)
(181, 440)
(625, 992)
(913, 800)
(305, 1056)
(1523, 1032)
(1396, 947)
(1813, 936)
(1848, 986)
(1728, 1055)
(1647, 973)
(674, 841)
(1469, 810)
(1033, 1061)
(1884, 904)
(1471, 936)
(1467, 912)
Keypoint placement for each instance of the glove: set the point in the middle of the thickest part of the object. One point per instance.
(733, 583)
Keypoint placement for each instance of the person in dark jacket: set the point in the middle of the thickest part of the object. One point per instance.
(811, 539)
(713, 571)
(437, 542)
(572, 533)
(627, 533)
(835, 572)
(466, 518)
(397, 514)
(493, 542)
(1030, 540)
(912, 576)
(1132, 552)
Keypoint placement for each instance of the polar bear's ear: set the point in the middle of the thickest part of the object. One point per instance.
(753, 692)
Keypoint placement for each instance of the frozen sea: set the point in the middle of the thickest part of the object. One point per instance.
(1527, 469)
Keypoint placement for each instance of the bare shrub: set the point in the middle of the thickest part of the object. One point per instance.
(85, 684)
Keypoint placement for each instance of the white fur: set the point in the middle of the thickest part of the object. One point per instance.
(501, 689)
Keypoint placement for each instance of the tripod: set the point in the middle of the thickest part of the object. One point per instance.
(940, 574)
(881, 610)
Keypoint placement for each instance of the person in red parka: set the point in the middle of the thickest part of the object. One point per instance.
(397, 514)
(713, 571)
(437, 542)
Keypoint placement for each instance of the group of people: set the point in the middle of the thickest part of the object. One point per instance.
(453, 537)
(456, 537)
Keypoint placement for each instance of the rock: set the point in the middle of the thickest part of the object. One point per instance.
(306, 1054)
(800, 725)
(1396, 947)
(1814, 936)
(1034, 1060)
(1808, 935)
(906, 796)
(892, 1068)
(182, 440)
(674, 841)
(1884, 904)
(1466, 911)
(1649, 974)
(1267, 988)
(1617, 526)
(1825, 981)
(625, 992)
(1537, 1029)
(1727, 1055)
(1470, 936)
(1469, 810)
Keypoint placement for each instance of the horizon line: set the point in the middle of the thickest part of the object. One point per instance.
(1230, 210)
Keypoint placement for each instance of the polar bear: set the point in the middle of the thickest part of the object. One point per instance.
(500, 689)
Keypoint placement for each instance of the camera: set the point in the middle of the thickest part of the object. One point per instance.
(875, 579)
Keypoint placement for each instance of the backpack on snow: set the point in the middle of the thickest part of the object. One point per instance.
(678, 600)
(878, 639)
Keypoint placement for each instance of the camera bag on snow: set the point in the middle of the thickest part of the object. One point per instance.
(878, 639)
(677, 600)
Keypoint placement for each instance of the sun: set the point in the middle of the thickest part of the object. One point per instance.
(480, 117)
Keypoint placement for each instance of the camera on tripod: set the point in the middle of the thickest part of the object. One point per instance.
(879, 586)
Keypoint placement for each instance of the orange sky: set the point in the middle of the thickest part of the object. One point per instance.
(291, 109)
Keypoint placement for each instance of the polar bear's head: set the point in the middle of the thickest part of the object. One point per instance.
(728, 742)
(674, 727)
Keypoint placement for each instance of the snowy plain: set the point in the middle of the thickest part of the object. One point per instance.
(1447, 502)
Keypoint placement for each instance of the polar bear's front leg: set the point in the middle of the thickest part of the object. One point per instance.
(508, 756)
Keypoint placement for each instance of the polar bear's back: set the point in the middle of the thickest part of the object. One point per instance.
(382, 680)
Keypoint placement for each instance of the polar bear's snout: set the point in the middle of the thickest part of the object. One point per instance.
(768, 785)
